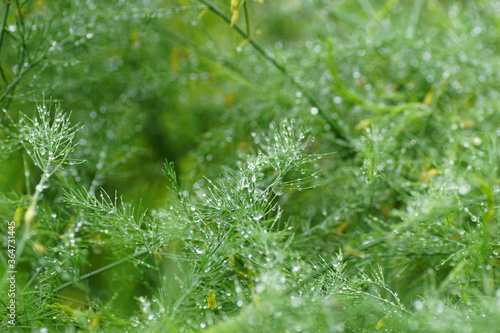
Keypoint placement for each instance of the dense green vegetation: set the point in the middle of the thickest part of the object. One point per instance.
(249, 166)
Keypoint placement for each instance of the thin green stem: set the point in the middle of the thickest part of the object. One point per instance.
(2, 31)
(414, 17)
(337, 129)
(100, 270)
(346, 256)
(29, 216)
(9, 90)
(4, 23)
(367, 8)
(247, 20)
(180, 299)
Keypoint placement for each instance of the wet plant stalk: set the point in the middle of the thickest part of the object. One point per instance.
(335, 126)
(4, 23)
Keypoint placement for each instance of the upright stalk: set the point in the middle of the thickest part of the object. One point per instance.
(334, 125)
(4, 23)
(2, 32)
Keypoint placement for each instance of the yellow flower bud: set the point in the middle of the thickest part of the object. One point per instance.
(234, 17)
(17, 216)
(39, 247)
(94, 323)
(30, 214)
(212, 302)
(234, 5)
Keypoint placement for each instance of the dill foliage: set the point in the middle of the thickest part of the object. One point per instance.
(249, 166)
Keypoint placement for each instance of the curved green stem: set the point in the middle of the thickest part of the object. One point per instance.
(334, 125)
(4, 23)
(100, 270)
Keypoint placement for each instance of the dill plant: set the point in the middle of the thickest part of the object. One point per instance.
(339, 176)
